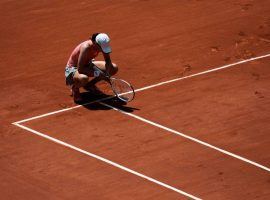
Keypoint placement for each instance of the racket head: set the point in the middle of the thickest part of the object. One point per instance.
(104, 87)
(122, 89)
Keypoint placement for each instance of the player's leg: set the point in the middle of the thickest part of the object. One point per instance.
(80, 80)
(100, 65)
(74, 80)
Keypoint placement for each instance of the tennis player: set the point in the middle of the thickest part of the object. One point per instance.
(79, 70)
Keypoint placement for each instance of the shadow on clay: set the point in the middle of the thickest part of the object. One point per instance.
(114, 101)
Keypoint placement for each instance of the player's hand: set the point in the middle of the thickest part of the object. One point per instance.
(109, 68)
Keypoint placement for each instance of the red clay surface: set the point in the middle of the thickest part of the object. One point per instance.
(155, 40)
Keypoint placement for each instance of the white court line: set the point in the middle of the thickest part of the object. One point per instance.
(204, 72)
(190, 138)
(149, 122)
(148, 87)
(107, 161)
(61, 110)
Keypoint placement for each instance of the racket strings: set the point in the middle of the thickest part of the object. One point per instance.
(122, 89)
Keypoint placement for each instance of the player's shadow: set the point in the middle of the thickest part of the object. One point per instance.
(90, 101)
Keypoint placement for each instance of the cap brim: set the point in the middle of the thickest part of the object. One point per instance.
(106, 48)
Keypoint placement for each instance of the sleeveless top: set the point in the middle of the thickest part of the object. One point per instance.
(73, 59)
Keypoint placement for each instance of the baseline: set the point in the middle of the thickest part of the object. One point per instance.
(146, 87)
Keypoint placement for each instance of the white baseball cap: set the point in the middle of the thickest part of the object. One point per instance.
(104, 42)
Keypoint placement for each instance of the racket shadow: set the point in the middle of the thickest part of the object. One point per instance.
(113, 101)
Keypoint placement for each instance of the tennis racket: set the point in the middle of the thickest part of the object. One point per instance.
(122, 89)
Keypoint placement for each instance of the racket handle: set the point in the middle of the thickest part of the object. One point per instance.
(98, 72)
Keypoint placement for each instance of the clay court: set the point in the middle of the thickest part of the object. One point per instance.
(198, 127)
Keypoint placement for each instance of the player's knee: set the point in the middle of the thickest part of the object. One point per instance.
(84, 80)
(81, 80)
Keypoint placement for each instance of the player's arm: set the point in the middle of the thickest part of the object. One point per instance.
(108, 63)
(83, 59)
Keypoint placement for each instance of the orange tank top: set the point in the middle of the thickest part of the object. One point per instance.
(73, 59)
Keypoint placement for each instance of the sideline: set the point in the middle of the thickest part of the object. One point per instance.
(189, 138)
(107, 161)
